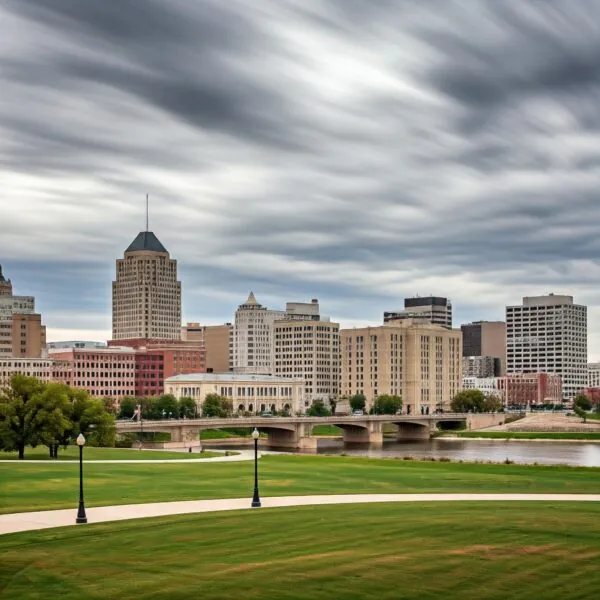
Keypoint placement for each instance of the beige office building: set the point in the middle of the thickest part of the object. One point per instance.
(217, 341)
(310, 350)
(146, 293)
(21, 331)
(421, 362)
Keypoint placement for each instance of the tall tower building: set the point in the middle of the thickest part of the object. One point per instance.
(146, 293)
(548, 334)
(253, 337)
(429, 309)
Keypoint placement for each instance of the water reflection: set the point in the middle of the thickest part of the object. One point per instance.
(524, 452)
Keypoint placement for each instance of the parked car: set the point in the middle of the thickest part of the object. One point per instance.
(358, 413)
(267, 413)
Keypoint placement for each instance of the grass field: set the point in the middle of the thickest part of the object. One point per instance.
(331, 430)
(455, 551)
(90, 453)
(30, 486)
(527, 435)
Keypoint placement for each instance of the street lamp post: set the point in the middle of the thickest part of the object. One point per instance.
(255, 497)
(81, 516)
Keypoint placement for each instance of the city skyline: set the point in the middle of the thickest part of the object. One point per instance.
(355, 156)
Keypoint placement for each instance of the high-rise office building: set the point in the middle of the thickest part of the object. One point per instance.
(309, 349)
(421, 362)
(548, 334)
(21, 331)
(486, 339)
(146, 293)
(431, 309)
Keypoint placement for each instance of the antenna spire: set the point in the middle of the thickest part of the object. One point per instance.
(147, 212)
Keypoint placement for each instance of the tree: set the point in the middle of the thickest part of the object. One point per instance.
(166, 405)
(582, 402)
(318, 409)
(492, 404)
(55, 414)
(358, 402)
(127, 407)
(333, 404)
(22, 414)
(387, 404)
(187, 408)
(215, 405)
(580, 413)
(468, 401)
(84, 415)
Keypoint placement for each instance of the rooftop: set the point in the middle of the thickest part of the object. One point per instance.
(146, 241)
(228, 377)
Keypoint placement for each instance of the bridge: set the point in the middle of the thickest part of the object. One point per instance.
(296, 432)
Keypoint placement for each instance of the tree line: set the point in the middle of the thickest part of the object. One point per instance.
(34, 413)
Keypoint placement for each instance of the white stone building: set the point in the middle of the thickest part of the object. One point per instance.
(248, 393)
(548, 334)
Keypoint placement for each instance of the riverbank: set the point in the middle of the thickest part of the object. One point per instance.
(530, 436)
(28, 487)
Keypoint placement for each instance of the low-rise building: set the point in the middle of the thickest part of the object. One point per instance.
(526, 389)
(44, 369)
(488, 385)
(102, 372)
(248, 393)
(217, 341)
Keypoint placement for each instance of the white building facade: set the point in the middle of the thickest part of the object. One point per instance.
(248, 393)
(593, 375)
(548, 334)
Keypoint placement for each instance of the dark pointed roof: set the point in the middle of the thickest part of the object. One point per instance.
(147, 241)
(2, 276)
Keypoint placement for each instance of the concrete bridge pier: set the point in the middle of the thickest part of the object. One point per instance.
(356, 434)
(299, 438)
(413, 431)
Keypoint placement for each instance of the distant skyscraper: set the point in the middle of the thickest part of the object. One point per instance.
(21, 331)
(146, 293)
(548, 334)
(431, 309)
(485, 339)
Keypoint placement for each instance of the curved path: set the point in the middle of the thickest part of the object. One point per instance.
(16, 522)
(241, 455)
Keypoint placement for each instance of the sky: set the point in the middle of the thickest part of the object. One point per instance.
(354, 151)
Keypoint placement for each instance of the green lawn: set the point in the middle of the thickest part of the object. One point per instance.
(329, 430)
(29, 486)
(454, 551)
(527, 435)
(90, 453)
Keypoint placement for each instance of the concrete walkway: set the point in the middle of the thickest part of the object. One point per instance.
(16, 522)
(241, 455)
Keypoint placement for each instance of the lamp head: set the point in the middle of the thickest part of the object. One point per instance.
(255, 434)
(80, 440)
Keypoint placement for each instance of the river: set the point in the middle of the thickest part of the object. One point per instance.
(525, 452)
